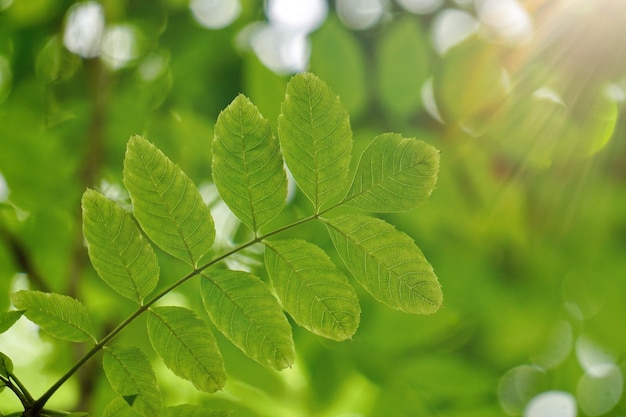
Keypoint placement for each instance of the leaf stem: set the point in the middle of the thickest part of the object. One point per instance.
(22, 389)
(24, 398)
(39, 403)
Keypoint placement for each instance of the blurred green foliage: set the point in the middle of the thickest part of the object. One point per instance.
(526, 230)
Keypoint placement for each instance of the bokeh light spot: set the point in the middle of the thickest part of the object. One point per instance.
(282, 51)
(84, 29)
(119, 46)
(420, 6)
(557, 346)
(592, 357)
(505, 20)
(552, 404)
(518, 386)
(298, 15)
(215, 14)
(597, 395)
(360, 14)
(450, 27)
(4, 189)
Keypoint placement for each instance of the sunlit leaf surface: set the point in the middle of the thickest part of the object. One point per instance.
(247, 164)
(117, 249)
(131, 376)
(245, 311)
(59, 315)
(387, 263)
(312, 290)
(166, 202)
(316, 138)
(187, 347)
(394, 174)
(8, 319)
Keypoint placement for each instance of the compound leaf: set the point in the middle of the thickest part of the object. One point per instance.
(387, 263)
(187, 347)
(166, 202)
(8, 319)
(312, 290)
(245, 311)
(247, 164)
(394, 174)
(316, 138)
(117, 249)
(132, 378)
(59, 315)
(189, 410)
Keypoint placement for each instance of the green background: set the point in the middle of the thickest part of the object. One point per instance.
(526, 229)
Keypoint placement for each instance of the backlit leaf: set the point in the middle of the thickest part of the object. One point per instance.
(187, 347)
(188, 410)
(245, 311)
(59, 315)
(8, 319)
(117, 249)
(132, 378)
(316, 138)
(247, 164)
(312, 290)
(394, 174)
(387, 263)
(166, 202)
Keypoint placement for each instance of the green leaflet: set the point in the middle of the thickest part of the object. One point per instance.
(316, 138)
(117, 249)
(187, 347)
(247, 164)
(312, 290)
(166, 202)
(188, 410)
(245, 311)
(394, 174)
(59, 315)
(8, 319)
(6, 365)
(387, 263)
(118, 408)
(132, 378)
(403, 55)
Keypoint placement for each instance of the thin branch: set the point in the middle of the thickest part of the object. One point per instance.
(39, 403)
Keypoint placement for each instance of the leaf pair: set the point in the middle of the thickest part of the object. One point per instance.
(314, 136)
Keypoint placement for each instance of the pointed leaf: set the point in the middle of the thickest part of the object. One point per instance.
(394, 174)
(245, 311)
(8, 319)
(166, 202)
(187, 347)
(247, 164)
(117, 249)
(188, 410)
(387, 263)
(132, 378)
(118, 408)
(316, 138)
(59, 315)
(313, 291)
(6, 365)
